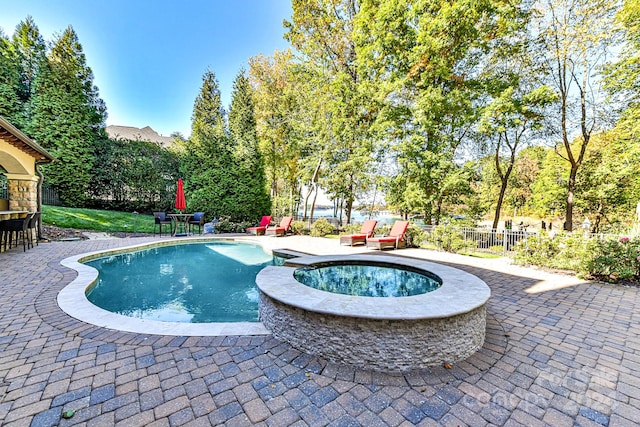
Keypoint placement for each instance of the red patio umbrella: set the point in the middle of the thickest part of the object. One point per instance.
(181, 204)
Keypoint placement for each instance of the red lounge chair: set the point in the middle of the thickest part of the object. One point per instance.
(395, 239)
(260, 229)
(280, 230)
(365, 232)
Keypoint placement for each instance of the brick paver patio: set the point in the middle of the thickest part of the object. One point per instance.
(558, 353)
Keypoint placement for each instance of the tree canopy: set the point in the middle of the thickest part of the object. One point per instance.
(484, 108)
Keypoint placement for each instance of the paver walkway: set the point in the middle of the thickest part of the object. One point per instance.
(558, 353)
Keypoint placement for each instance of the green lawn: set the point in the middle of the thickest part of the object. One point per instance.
(99, 220)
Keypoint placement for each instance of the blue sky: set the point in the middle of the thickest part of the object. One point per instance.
(148, 56)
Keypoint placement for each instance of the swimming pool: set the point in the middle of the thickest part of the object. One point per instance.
(189, 283)
(366, 279)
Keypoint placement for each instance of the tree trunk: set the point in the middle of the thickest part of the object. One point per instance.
(313, 208)
(306, 201)
(503, 190)
(571, 187)
(504, 179)
(438, 212)
(313, 187)
(274, 179)
(598, 219)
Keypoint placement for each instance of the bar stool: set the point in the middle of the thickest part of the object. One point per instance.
(17, 227)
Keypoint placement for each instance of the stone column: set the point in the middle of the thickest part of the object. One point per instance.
(23, 192)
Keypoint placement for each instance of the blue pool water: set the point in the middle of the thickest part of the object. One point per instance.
(366, 280)
(191, 283)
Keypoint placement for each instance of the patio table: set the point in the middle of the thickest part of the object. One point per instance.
(4, 215)
(180, 221)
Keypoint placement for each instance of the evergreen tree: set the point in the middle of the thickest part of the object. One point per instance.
(9, 82)
(67, 117)
(207, 166)
(251, 197)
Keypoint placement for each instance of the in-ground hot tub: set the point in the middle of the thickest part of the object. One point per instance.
(398, 333)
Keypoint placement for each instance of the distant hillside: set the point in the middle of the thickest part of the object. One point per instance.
(136, 134)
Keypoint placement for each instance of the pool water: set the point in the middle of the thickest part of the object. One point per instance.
(191, 283)
(366, 280)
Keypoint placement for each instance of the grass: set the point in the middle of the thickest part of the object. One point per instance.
(475, 254)
(485, 255)
(98, 220)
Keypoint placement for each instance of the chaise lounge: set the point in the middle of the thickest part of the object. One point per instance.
(368, 227)
(282, 229)
(394, 240)
(260, 229)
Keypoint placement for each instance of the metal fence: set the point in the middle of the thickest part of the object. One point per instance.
(50, 196)
(4, 187)
(500, 242)
(466, 239)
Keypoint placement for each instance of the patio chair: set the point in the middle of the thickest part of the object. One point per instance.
(366, 231)
(16, 229)
(282, 229)
(33, 228)
(394, 240)
(197, 220)
(161, 219)
(260, 228)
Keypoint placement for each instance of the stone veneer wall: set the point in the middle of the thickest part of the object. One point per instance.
(383, 345)
(23, 195)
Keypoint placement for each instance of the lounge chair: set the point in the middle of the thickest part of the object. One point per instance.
(282, 229)
(160, 219)
(260, 228)
(197, 220)
(394, 240)
(366, 231)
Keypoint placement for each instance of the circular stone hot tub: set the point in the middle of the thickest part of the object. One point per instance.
(380, 333)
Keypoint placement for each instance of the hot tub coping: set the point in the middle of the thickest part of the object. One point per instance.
(460, 292)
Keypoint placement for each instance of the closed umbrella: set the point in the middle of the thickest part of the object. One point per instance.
(181, 203)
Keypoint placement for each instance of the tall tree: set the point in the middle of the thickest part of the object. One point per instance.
(282, 124)
(510, 121)
(323, 32)
(623, 76)
(425, 60)
(575, 36)
(20, 61)
(251, 197)
(30, 51)
(10, 104)
(609, 187)
(208, 164)
(67, 117)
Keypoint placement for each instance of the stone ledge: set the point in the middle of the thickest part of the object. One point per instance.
(460, 292)
(384, 334)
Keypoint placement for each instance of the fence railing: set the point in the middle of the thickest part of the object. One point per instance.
(4, 188)
(501, 242)
(50, 196)
(466, 239)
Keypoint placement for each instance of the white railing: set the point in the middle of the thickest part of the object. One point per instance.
(467, 239)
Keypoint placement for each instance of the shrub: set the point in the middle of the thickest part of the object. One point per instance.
(415, 236)
(298, 227)
(612, 260)
(382, 229)
(232, 227)
(352, 228)
(449, 239)
(321, 228)
(562, 251)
